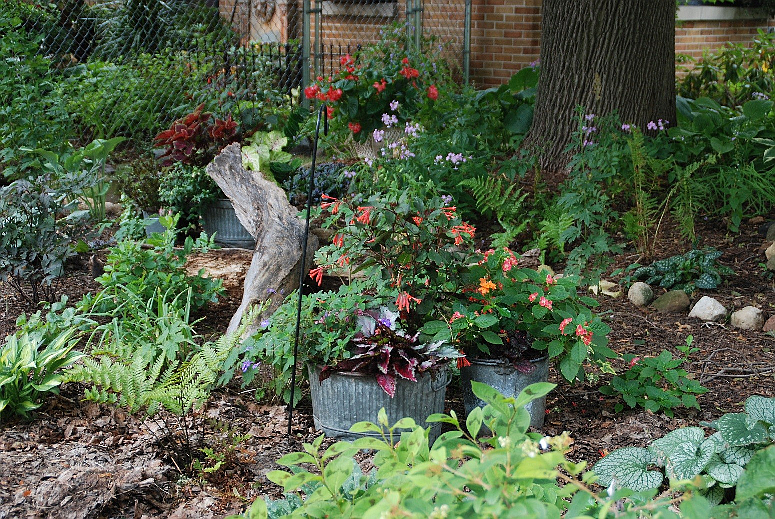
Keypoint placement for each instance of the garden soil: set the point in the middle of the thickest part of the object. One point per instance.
(76, 459)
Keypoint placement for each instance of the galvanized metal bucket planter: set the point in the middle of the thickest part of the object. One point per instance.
(220, 218)
(503, 376)
(152, 224)
(346, 398)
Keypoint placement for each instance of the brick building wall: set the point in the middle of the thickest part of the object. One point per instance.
(505, 34)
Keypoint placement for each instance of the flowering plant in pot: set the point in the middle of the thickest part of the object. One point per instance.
(382, 85)
(398, 257)
(519, 314)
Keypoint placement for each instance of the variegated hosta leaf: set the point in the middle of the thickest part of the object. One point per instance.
(726, 474)
(720, 445)
(628, 468)
(761, 408)
(738, 429)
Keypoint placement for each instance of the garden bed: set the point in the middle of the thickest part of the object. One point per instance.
(78, 459)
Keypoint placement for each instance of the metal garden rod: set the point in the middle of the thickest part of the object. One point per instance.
(303, 266)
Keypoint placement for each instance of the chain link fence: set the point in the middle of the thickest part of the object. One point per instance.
(131, 67)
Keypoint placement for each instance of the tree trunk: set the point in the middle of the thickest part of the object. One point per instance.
(605, 56)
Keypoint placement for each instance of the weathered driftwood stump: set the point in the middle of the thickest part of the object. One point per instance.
(263, 209)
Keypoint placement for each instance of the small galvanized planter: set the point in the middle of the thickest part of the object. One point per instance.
(503, 376)
(220, 218)
(152, 224)
(346, 398)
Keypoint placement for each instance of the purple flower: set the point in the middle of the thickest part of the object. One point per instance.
(447, 199)
(651, 125)
(394, 105)
(264, 324)
(378, 135)
(389, 120)
(245, 366)
(368, 161)
(589, 117)
(626, 127)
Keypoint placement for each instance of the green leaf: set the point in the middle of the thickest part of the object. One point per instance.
(724, 473)
(491, 337)
(485, 320)
(761, 408)
(518, 121)
(685, 452)
(736, 429)
(628, 468)
(721, 147)
(533, 392)
(294, 458)
(474, 421)
(363, 427)
(757, 109)
(759, 476)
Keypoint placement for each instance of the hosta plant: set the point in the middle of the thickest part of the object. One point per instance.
(685, 454)
(30, 368)
(698, 268)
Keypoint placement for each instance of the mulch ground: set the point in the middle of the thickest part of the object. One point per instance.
(77, 459)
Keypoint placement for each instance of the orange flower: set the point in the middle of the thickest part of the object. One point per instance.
(338, 240)
(404, 299)
(365, 216)
(485, 285)
(317, 275)
(449, 212)
(462, 362)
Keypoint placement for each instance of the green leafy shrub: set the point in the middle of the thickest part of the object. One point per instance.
(720, 460)
(187, 190)
(511, 474)
(36, 237)
(133, 271)
(733, 74)
(656, 383)
(697, 268)
(32, 113)
(29, 368)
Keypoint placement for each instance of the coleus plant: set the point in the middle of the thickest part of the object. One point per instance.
(196, 138)
(389, 353)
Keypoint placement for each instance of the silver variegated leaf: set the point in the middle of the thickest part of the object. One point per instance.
(737, 429)
(628, 468)
(761, 408)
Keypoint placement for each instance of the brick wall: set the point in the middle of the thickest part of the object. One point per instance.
(505, 34)
(695, 37)
(505, 37)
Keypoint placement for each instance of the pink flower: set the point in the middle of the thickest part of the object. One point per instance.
(550, 280)
(564, 323)
(404, 299)
(532, 297)
(546, 303)
(433, 92)
(634, 361)
(455, 317)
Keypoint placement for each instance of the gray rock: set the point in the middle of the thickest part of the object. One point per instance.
(771, 263)
(769, 326)
(771, 232)
(640, 294)
(748, 318)
(675, 301)
(708, 309)
(770, 252)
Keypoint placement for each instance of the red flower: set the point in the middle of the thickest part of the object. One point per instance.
(365, 216)
(404, 299)
(326, 205)
(344, 60)
(317, 275)
(334, 94)
(409, 72)
(338, 240)
(380, 85)
(462, 362)
(311, 91)
(433, 92)
(405, 61)
(354, 127)
(634, 361)
(449, 212)
(330, 112)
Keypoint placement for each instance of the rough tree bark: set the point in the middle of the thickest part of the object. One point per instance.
(263, 209)
(606, 56)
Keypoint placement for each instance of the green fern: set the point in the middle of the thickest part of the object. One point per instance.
(503, 199)
(685, 197)
(136, 379)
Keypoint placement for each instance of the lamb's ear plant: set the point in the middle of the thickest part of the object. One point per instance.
(716, 463)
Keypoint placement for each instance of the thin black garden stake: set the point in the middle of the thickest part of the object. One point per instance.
(303, 266)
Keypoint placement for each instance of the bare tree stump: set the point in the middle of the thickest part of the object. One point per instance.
(263, 209)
